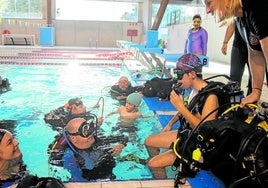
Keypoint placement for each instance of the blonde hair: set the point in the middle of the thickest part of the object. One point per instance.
(235, 6)
(226, 10)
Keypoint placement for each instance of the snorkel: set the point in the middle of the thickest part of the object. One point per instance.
(68, 141)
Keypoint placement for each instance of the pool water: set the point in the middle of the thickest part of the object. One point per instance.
(37, 89)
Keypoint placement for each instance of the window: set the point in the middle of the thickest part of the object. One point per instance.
(96, 10)
(176, 14)
(21, 9)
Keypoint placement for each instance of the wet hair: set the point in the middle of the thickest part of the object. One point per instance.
(2, 133)
(77, 101)
(197, 16)
(8, 125)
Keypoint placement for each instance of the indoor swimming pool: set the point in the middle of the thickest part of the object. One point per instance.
(37, 89)
(43, 79)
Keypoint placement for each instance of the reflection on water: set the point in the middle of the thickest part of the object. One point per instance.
(38, 89)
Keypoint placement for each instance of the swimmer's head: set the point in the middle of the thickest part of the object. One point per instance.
(123, 82)
(187, 63)
(134, 98)
(75, 106)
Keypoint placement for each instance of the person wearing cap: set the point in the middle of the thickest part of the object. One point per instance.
(129, 112)
(122, 89)
(189, 75)
(11, 164)
(197, 38)
(85, 154)
(59, 117)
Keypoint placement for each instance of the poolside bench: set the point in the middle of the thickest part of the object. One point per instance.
(18, 39)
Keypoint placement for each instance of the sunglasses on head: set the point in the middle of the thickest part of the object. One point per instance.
(86, 129)
(178, 74)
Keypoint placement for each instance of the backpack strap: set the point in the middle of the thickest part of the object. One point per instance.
(197, 103)
(200, 99)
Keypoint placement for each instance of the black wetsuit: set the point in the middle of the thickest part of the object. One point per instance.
(239, 58)
(14, 178)
(89, 164)
(120, 94)
(5, 86)
(60, 117)
(196, 105)
(255, 26)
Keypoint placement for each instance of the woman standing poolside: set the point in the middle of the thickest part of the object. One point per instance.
(197, 38)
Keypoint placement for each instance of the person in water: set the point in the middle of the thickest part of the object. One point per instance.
(122, 89)
(128, 114)
(4, 85)
(84, 153)
(59, 117)
(11, 164)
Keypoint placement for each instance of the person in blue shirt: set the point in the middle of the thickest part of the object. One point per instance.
(86, 155)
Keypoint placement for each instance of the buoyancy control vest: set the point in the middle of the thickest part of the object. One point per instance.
(233, 146)
(227, 93)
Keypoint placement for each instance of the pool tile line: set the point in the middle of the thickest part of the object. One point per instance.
(167, 183)
(63, 62)
(123, 184)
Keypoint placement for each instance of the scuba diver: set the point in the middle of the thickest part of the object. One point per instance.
(122, 89)
(4, 85)
(86, 155)
(74, 108)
